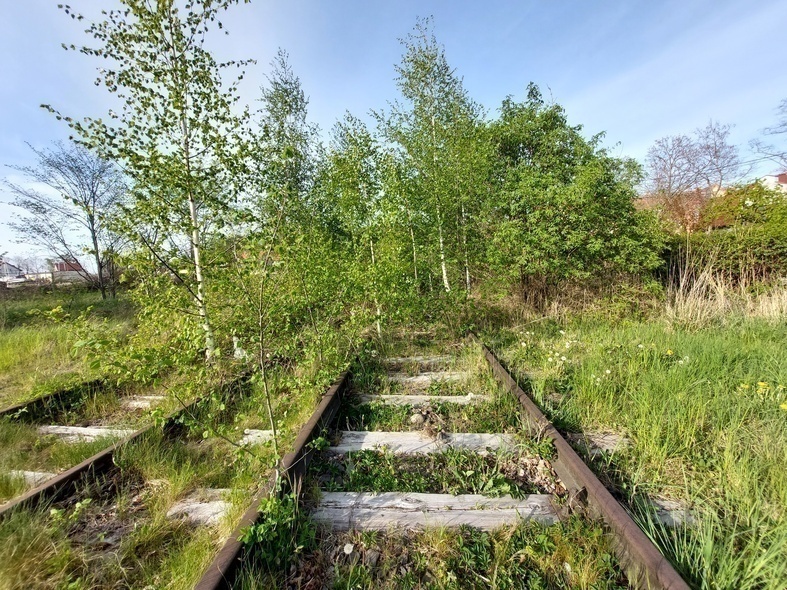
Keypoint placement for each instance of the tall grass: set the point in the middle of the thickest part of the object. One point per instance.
(700, 295)
(700, 392)
(35, 353)
(31, 357)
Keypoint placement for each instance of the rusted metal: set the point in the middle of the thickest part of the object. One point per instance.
(221, 572)
(62, 484)
(51, 403)
(644, 565)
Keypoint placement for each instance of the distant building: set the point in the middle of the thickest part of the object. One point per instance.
(684, 209)
(775, 181)
(9, 271)
(68, 271)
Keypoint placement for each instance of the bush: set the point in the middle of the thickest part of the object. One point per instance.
(752, 246)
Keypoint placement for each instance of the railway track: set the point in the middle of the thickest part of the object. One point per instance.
(418, 399)
(62, 438)
(413, 420)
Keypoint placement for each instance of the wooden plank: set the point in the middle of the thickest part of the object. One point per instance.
(84, 434)
(426, 379)
(31, 478)
(205, 506)
(426, 362)
(366, 511)
(420, 400)
(255, 437)
(598, 443)
(419, 443)
(417, 502)
(140, 402)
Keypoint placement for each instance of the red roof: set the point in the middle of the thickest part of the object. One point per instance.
(64, 266)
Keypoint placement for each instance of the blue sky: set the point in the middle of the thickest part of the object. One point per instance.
(638, 70)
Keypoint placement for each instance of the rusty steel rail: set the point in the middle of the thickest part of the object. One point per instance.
(37, 407)
(221, 572)
(644, 565)
(63, 483)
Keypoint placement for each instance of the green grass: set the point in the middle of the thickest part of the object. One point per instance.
(68, 549)
(704, 410)
(35, 352)
(448, 472)
(503, 414)
(36, 360)
(118, 534)
(571, 555)
(23, 448)
(20, 307)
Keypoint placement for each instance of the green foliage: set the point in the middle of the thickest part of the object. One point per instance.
(705, 412)
(448, 472)
(565, 206)
(574, 554)
(281, 534)
(753, 240)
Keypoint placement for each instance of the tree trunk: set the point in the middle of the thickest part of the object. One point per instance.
(376, 301)
(412, 241)
(99, 264)
(464, 245)
(443, 266)
(210, 343)
(202, 308)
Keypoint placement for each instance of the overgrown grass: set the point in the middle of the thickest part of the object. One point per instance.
(705, 407)
(118, 533)
(35, 352)
(502, 413)
(122, 536)
(22, 306)
(574, 554)
(529, 555)
(449, 472)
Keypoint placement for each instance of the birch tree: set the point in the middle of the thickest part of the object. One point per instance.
(175, 135)
(427, 127)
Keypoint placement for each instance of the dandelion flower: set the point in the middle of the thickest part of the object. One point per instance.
(784, 406)
(669, 352)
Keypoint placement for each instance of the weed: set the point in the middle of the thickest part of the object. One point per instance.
(280, 535)
(701, 407)
(449, 472)
(573, 555)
